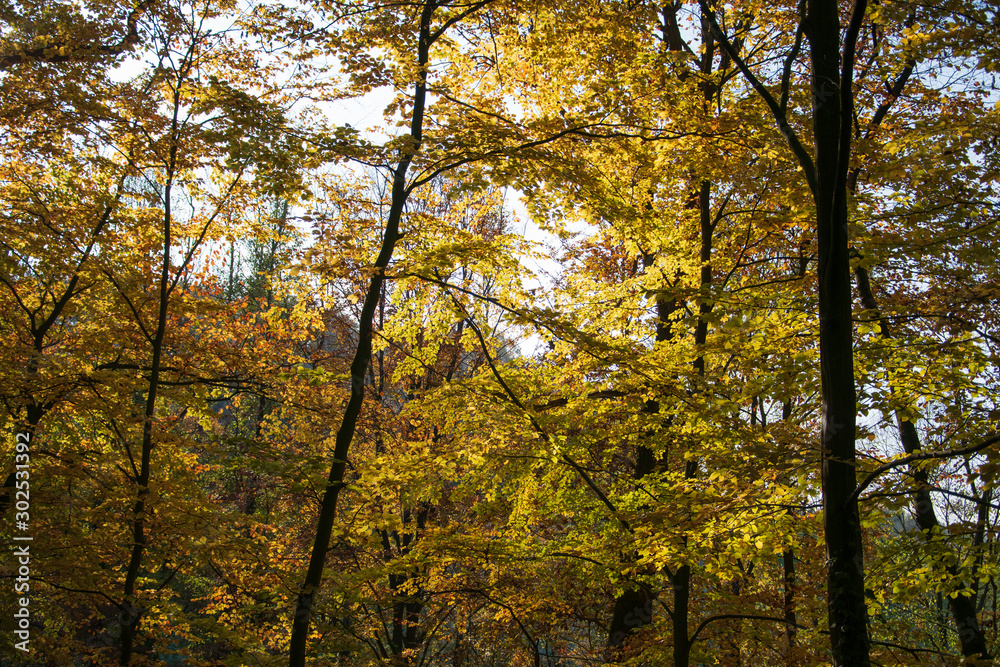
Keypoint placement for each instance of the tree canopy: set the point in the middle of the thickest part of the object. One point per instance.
(625, 333)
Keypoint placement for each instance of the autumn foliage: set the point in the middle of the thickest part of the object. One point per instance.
(487, 333)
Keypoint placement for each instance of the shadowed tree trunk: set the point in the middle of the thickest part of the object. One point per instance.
(362, 356)
(129, 611)
(832, 128)
(831, 72)
(788, 562)
(634, 607)
(963, 607)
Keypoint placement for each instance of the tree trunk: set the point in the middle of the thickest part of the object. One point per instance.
(788, 566)
(963, 608)
(362, 356)
(832, 127)
(826, 172)
(130, 613)
(681, 582)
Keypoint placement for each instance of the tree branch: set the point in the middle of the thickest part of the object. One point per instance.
(57, 51)
(920, 456)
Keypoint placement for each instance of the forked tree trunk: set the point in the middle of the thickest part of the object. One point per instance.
(832, 82)
(130, 613)
(826, 172)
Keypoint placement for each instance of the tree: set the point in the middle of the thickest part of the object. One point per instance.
(833, 60)
(831, 77)
(246, 336)
(128, 134)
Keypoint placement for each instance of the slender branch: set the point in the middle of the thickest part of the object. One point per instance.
(786, 71)
(458, 17)
(920, 456)
(847, 91)
(724, 617)
(426, 175)
(800, 152)
(534, 423)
